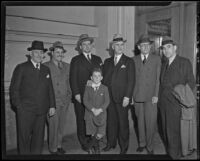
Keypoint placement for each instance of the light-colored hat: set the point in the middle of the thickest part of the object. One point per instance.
(57, 44)
(117, 38)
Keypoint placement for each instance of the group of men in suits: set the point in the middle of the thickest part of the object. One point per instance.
(129, 81)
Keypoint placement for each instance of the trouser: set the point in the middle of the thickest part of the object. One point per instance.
(146, 114)
(170, 117)
(57, 124)
(117, 125)
(30, 131)
(81, 127)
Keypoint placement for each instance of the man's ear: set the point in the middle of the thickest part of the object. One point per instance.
(175, 47)
(138, 47)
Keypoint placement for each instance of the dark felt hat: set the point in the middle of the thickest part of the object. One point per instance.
(143, 39)
(168, 40)
(37, 45)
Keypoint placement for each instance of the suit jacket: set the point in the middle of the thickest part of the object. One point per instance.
(179, 72)
(147, 78)
(96, 99)
(31, 89)
(120, 79)
(60, 79)
(80, 72)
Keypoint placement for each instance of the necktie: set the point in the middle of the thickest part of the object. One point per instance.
(144, 60)
(37, 67)
(60, 65)
(88, 57)
(115, 61)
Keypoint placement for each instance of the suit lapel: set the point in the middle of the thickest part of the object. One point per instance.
(119, 64)
(85, 62)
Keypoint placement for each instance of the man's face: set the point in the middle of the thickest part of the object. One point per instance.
(86, 47)
(169, 50)
(144, 47)
(96, 77)
(118, 47)
(37, 55)
(57, 54)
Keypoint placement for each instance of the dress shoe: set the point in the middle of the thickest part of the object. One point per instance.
(150, 152)
(53, 153)
(91, 151)
(140, 149)
(60, 151)
(108, 148)
(123, 151)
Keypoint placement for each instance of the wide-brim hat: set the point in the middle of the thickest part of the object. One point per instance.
(57, 44)
(117, 38)
(85, 37)
(167, 40)
(37, 45)
(144, 39)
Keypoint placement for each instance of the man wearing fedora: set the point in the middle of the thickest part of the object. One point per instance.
(32, 93)
(176, 70)
(81, 68)
(119, 77)
(60, 78)
(145, 95)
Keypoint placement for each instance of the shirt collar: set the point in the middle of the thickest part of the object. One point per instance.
(34, 63)
(118, 57)
(87, 54)
(142, 56)
(172, 59)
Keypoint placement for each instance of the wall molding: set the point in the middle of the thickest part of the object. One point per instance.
(39, 26)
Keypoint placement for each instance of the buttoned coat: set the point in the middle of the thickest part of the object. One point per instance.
(96, 99)
(31, 89)
(80, 72)
(60, 79)
(120, 79)
(147, 78)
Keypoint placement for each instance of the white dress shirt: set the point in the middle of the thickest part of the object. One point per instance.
(118, 57)
(34, 63)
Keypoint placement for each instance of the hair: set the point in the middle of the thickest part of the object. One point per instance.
(97, 70)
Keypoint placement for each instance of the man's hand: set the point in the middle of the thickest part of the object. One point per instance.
(78, 98)
(154, 100)
(132, 101)
(96, 112)
(125, 101)
(89, 83)
(52, 111)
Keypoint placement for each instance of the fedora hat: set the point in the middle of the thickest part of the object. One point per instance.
(117, 38)
(144, 38)
(168, 40)
(57, 44)
(37, 45)
(85, 37)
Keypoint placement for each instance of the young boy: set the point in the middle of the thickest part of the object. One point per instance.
(96, 99)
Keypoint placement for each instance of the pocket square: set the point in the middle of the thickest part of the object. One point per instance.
(101, 94)
(123, 66)
(48, 76)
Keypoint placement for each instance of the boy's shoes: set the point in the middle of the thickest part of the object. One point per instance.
(108, 148)
(140, 149)
(91, 151)
(54, 153)
(61, 151)
(150, 152)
